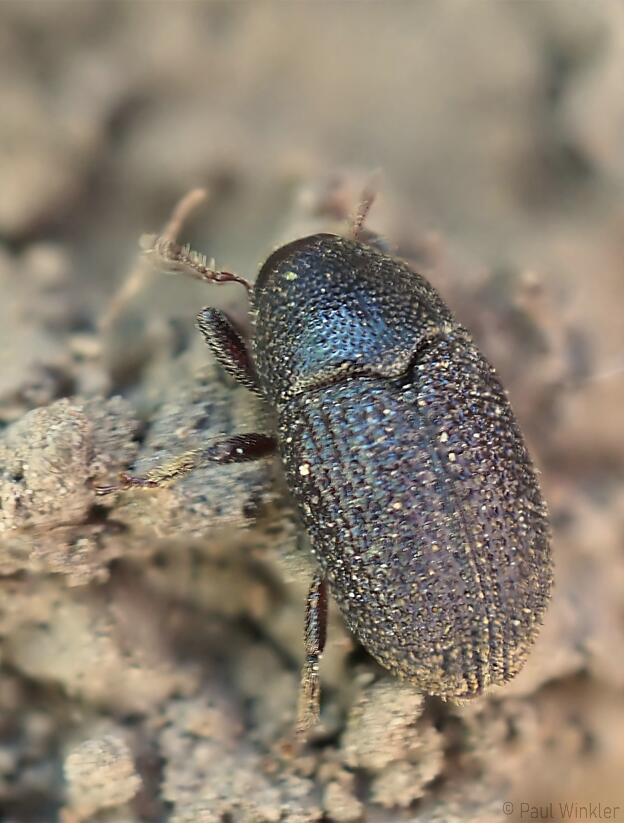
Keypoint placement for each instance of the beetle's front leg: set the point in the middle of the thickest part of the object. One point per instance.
(315, 635)
(228, 346)
(236, 449)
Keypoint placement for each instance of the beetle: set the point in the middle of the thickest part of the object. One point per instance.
(400, 448)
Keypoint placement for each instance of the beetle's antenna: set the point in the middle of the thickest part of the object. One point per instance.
(171, 258)
(365, 204)
(134, 281)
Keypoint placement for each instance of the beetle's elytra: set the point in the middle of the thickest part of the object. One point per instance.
(404, 458)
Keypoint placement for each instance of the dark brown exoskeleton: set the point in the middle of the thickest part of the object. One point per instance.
(400, 448)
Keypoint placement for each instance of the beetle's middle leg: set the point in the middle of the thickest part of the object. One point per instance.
(238, 448)
(308, 710)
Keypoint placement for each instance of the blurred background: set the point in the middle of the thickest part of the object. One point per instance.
(150, 645)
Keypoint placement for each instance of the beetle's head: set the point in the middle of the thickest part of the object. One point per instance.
(327, 308)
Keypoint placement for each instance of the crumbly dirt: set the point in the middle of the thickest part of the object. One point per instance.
(150, 641)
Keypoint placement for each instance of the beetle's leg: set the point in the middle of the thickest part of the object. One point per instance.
(235, 449)
(315, 634)
(228, 346)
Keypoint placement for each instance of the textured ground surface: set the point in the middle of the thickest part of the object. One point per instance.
(150, 643)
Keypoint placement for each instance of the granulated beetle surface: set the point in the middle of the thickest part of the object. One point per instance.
(404, 458)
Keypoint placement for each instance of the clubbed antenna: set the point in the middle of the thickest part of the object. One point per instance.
(364, 206)
(164, 252)
(172, 258)
(133, 283)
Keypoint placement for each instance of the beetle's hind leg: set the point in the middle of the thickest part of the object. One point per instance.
(308, 710)
(227, 345)
(238, 448)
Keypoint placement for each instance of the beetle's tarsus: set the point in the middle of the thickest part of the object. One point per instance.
(309, 705)
(102, 491)
(238, 448)
(125, 482)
